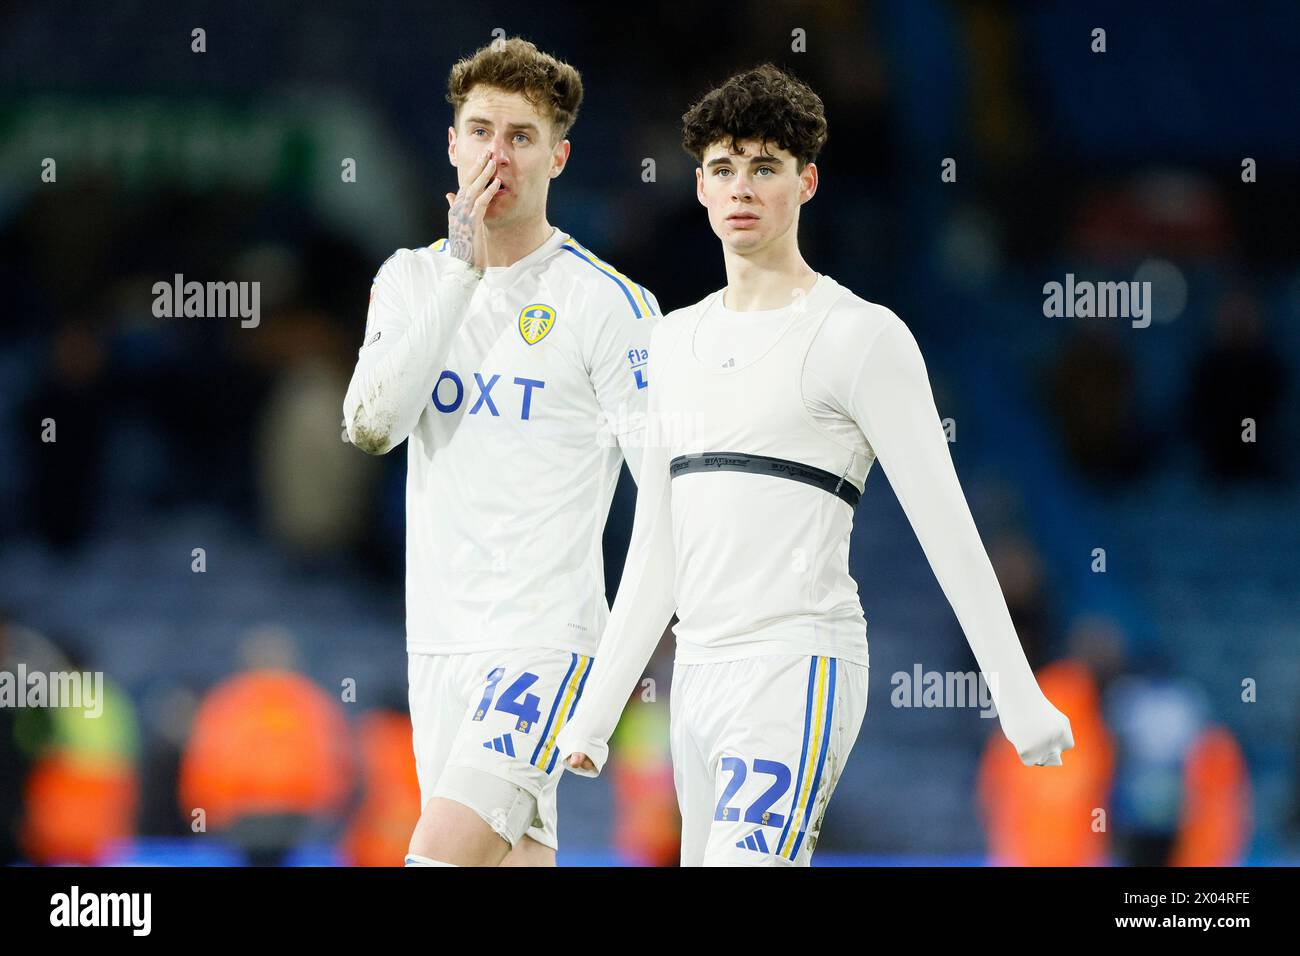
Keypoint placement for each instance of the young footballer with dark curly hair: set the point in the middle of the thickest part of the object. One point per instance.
(770, 400)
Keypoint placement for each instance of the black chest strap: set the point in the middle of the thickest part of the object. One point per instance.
(841, 488)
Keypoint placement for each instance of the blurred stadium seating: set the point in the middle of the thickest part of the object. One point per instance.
(184, 434)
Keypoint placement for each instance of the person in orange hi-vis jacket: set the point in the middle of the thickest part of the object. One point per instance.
(266, 744)
(1051, 819)
(1215, 824)
(390, 805)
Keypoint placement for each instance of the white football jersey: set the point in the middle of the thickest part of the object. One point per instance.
(519, 418)
(762, 496)
(754, 463)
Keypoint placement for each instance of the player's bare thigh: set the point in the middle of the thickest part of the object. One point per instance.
(451, 832)
(529, 852)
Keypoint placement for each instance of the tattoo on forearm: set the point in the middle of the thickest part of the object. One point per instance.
(460, 226)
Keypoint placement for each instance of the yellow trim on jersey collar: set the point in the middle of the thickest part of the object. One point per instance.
(609, 270)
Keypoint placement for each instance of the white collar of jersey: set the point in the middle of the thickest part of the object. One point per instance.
(822, 287)
(505, 274)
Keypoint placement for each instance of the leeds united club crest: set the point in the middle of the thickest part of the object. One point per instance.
(535, 321)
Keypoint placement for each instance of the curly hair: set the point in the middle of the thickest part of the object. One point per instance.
(764, 103)
(517, 66)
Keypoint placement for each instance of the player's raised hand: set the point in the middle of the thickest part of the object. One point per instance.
(466, 212)
(581, 762)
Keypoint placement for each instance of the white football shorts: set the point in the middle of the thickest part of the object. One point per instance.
(757, 746)
(496, 711)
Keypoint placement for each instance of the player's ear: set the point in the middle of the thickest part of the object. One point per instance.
(699, 185)
(560, 158)
(807, 183)
(451, 145)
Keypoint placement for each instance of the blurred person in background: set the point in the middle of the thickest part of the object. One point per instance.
(1038, 819)
(15, 758)
(647, 824)
(1033, 820)
(82, 794)
(1091, 394)
(167, 710)
(1217, 812)
(1239, 376)
(380, 828)
(495, 354)
(1019, 570)
(313, 489)
(68, 410)
(269, 760)
(1098, 642)
(1182, 792)
(25, 733)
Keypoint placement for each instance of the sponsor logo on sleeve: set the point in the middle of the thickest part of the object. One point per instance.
(638, 359)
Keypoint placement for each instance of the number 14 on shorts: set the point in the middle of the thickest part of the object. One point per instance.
(514, 700)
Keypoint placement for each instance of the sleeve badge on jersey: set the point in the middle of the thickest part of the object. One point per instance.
(638, 359)
(535, 321)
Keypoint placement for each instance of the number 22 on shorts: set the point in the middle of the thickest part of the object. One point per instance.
(758, 811)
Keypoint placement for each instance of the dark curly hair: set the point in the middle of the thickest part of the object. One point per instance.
(517, 66)
(764, 103)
